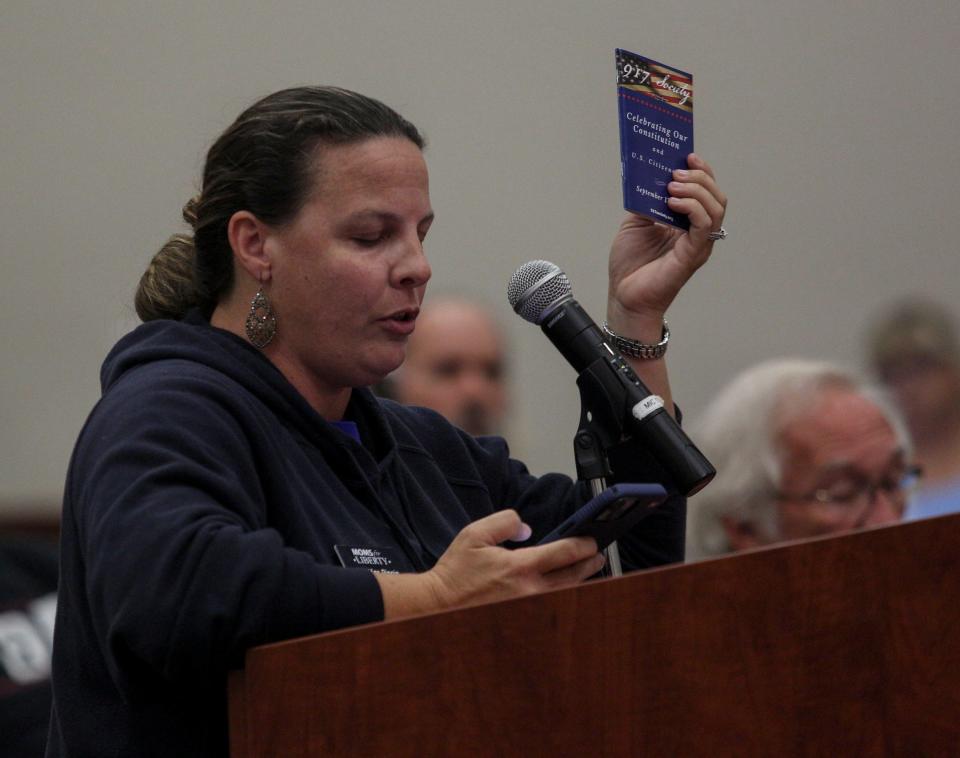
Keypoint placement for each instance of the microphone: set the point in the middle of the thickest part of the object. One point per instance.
(541, 293)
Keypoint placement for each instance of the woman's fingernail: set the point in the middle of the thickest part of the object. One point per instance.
(523, 534)
(681, 173)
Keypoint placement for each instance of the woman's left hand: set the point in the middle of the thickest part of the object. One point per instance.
(650, 262)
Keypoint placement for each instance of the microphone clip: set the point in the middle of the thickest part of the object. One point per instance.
(602, 404)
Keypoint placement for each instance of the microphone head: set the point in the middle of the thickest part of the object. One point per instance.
(536, 288)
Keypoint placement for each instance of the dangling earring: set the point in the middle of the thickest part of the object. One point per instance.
(261, 323)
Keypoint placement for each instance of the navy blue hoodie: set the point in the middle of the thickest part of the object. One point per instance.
(202, 506)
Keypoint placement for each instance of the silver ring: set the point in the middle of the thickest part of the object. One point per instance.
(720, 234)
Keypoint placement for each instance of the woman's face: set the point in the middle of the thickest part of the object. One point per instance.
(348, 273)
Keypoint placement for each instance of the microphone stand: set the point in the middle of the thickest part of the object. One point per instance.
(601, 427)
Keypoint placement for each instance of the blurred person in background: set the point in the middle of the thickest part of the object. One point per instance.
(802, 449)
(455, 365)
(914, 351)
(28, 602)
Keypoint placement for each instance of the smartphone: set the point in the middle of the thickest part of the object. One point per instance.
(611, 513)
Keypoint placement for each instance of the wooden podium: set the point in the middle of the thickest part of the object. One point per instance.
(844, 646)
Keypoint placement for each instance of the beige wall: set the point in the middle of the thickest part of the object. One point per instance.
(831, 127)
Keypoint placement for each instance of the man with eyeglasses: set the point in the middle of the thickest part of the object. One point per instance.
(802, 449)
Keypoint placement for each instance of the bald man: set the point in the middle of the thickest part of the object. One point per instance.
(455, 365)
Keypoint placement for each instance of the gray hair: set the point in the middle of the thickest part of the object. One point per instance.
(738, 433)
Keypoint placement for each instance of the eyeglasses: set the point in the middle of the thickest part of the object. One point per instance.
(851, 496)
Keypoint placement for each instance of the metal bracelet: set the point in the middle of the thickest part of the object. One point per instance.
(637, 349)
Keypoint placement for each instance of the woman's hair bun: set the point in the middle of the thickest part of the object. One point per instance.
(168, 288)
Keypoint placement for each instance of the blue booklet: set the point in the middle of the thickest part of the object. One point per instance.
(656, 133)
